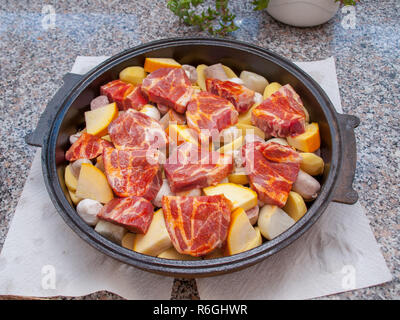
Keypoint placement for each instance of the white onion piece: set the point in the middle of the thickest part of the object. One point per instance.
(164, 191)
(88, 210)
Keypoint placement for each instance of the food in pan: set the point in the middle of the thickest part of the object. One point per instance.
(193, 162)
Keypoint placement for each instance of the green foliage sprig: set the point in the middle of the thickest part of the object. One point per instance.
(218, 20)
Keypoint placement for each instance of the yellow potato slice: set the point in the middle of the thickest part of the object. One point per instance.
(241, 197)
(201, 81)
(127, 240)
(234, 145)
(74, 198)
(249, 129)
(245, 118)
(70, 180)
(270, 89)
(156, 240)
(93, 184)
(134, 75)
(106, 137)
(180, 133)
(241, 234)
(238, 176)
(295, 206)
(229, 72)
(97, 120)
(273, 221)
(257, 241)
(311, 163)
(172, 254)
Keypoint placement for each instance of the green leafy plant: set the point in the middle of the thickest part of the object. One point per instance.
(217, 20)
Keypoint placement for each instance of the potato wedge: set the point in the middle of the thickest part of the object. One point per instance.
(156, 240)
(97, 120)
(172, 254)
(93, 184)
(106, 137)
(241, 197)
(75, 200)
(134, 75)
(245, 118)
(70, 180)
(238, 176)
(249, 129)
(230, 147)
(257, 241)
(241, 234)
(152, 64)
(308, 141)
(229, 72)
(201, 81)
(273, 221)
(110, 231)
(180, 133)
(295, 206)
(270, 89)
(127, 240)
(311, 163)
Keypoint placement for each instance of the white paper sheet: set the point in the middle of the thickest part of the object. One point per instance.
(339, 253)
(40, 245)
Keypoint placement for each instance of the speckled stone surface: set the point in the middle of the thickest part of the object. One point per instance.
(33, 61)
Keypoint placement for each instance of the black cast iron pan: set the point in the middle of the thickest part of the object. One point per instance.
(64, 115)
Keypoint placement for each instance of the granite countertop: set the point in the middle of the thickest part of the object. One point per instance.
(33, 61)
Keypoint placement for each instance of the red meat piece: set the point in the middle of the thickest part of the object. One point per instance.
(133, 213)
(136, 130)
(272, 169)
(116, 91)
(191, 167)
(134, 99)
(87, 146)
(169, 87)
(197, 225)
(211, 112)
(240, 96)
(281, 115)
(133, 172)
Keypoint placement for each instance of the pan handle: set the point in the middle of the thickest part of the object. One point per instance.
(344, 192)
(36, 137)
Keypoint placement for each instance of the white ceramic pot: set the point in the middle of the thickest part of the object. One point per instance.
(303, 13)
